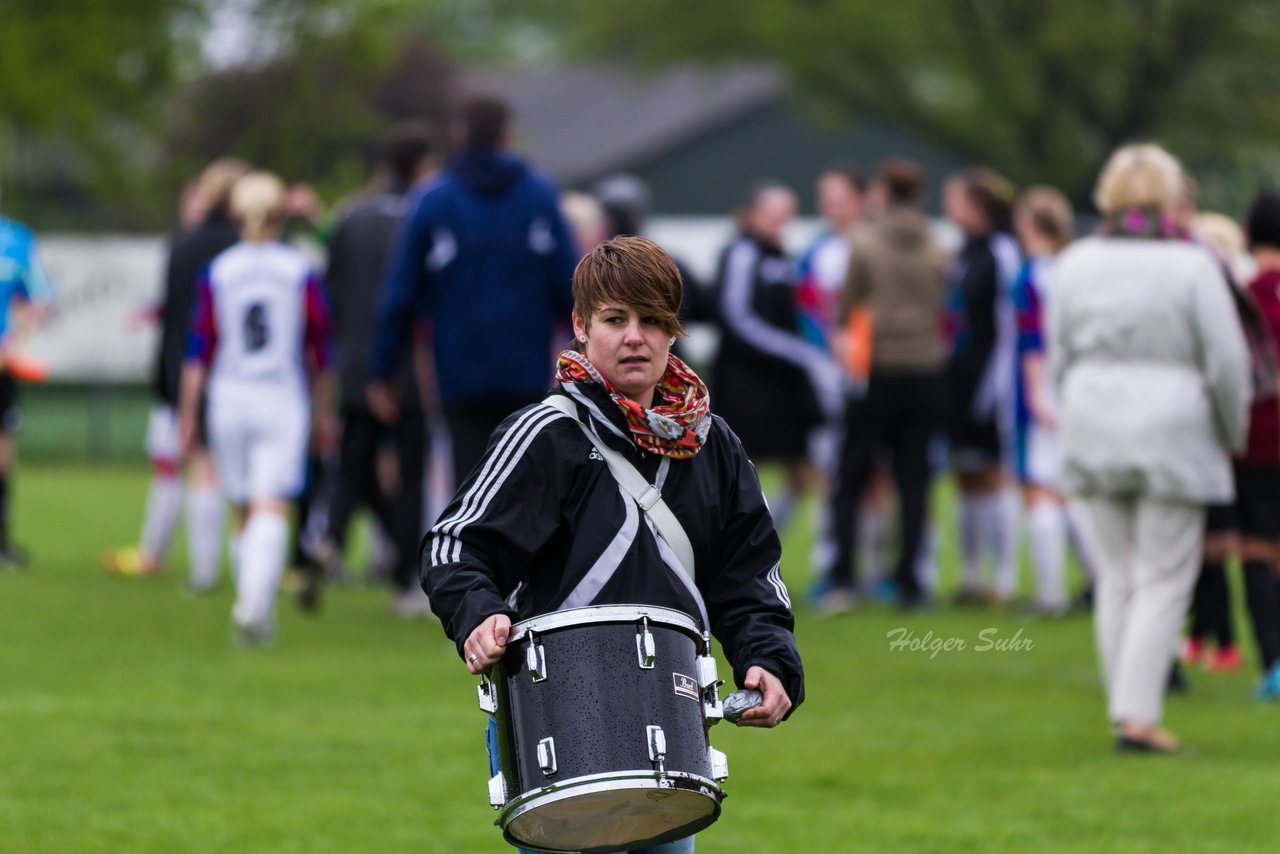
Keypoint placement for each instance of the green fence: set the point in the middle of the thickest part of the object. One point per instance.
(82, 422)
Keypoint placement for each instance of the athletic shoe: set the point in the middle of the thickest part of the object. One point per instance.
(968, 595)
(1269, 687)
(1226, 659)
(251, 635)
(884, 591)
(1192, 651)
(837, 600)
(129, 562)
(14, 557)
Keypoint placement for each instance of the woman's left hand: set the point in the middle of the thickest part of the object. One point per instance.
(776, 702)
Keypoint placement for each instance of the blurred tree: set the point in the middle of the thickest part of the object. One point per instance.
(1040, 90)
(314, 112)
(81, 82)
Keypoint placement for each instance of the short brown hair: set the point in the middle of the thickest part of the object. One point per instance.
(630, 271)
(903, 180)
(484, 121)
(1050, 213)
(990, 192)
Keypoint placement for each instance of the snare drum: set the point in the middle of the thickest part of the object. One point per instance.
(602, 716)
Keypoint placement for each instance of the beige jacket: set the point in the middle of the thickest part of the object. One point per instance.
(899, 272)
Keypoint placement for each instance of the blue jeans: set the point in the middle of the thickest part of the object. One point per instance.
(680, 846)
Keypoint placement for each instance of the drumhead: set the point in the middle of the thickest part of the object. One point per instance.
(613, 815)
(571, 617)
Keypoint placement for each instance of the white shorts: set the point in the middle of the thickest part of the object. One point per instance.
(164, 445)
(1044, 457)
(259, 443)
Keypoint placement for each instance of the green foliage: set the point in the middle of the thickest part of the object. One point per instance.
(131, 724)
(1041, 90)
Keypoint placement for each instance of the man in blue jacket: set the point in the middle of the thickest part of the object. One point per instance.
(487, 259)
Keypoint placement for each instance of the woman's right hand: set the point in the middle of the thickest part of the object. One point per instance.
(486, 644)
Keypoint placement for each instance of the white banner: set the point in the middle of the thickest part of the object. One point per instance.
(101, 287)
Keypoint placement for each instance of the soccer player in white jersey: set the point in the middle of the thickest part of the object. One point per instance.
(260, 338)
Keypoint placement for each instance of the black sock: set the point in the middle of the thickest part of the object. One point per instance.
(1262, 593)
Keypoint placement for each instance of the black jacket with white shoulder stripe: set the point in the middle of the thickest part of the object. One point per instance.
(542, 525)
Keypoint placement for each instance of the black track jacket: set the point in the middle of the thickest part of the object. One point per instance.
(541, 525)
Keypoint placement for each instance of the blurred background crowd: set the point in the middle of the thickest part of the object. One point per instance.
(1084, 349)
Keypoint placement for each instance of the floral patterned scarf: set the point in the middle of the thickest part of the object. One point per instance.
(677, 427)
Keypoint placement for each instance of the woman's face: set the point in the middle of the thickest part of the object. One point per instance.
(770, 215)
(961, 210)
(629, 350)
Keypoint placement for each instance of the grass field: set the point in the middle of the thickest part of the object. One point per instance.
(129, 723)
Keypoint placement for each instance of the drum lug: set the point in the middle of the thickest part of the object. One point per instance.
(707, 675)
(646, 649)
(497, 791)
(488, 696)
(535, 660)
(719, 765)
(712, 708)
(547, 756)
(657, 740)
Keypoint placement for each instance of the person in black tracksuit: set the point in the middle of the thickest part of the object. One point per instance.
(542, 511)
(357, 257)
(769, 382)
(189, 252)
(980, 379)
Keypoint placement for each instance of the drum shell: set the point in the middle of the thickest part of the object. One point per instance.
(597, 704)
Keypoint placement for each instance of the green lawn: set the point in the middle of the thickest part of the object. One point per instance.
(129, 723)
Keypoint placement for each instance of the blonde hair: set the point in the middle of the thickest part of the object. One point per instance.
(213, 187)
(1142, 175)
(1225, 236)
(1049, 212)
(257, 201)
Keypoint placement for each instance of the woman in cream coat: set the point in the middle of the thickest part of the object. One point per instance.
(1152, 373)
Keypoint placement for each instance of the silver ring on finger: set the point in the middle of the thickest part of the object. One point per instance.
(472, 658)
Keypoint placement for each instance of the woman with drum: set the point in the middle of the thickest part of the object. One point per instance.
(543, 525)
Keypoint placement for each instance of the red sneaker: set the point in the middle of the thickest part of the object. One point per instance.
(1192, 651)
(1225, 660)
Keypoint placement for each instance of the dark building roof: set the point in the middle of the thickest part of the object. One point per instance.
(581, 123)
(698, 135)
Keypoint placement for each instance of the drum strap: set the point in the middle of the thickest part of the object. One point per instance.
(647, 496)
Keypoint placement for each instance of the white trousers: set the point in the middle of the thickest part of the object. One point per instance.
(1148, 556)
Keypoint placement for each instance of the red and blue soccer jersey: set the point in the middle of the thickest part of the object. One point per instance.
(260, 318)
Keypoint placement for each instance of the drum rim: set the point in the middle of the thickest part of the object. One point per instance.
(608, 782)
(594, 614)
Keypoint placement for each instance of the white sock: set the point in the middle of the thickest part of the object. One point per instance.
(382, 549)
(204, 535)
(1048, 526)
(971, 539)
(871, 542)
(164, 505)
(1006, 533)
(927, 559)
(263, 548)
(1083, 538)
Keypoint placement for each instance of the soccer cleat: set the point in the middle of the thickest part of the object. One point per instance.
(1269, 687)
(129, 562)
(1226, 659)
